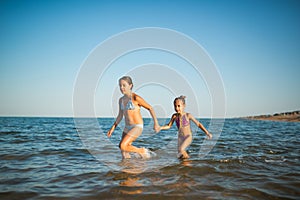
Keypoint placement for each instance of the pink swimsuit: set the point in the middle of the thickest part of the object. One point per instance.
(183, 120)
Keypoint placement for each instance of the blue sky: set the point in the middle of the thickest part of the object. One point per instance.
(254, 44)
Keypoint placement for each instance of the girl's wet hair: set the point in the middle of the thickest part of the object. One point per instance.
(182, 98)
(127, 79)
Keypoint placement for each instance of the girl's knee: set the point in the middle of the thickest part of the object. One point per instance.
(123, 146)
(183, 146)
(181, 151)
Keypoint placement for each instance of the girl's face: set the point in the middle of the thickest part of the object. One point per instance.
(125, 87)
(179, 106)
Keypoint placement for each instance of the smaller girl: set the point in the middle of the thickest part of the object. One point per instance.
(182, 120)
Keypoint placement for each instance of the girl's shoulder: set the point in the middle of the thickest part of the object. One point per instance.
(135, 97)
(189, 115)
(175, 115)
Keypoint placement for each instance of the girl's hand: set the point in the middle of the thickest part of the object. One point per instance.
(109, 133)
(156, 128)
(209, 135)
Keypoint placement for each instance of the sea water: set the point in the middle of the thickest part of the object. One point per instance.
(55, 158)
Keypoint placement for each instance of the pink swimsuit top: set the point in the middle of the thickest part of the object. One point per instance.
(183, 120)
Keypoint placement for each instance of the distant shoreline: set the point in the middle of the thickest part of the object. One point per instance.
(293, 116)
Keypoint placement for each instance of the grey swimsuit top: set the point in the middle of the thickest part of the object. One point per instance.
(129, 105)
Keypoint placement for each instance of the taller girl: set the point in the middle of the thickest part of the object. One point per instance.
(129, 107)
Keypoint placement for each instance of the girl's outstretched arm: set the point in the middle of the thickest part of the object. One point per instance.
(169, 125)
(144, 104)
(119, 118)
(191, 117)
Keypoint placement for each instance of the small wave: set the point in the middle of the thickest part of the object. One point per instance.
(231, 161)
(274, 161)
(10, 132)
(17, 157)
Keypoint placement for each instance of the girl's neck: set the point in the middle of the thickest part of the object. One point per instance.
(181, 113)
(128, 95)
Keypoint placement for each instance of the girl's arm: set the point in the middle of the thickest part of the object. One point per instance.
(144, 104)
(169, 125)
(119, 118)
(191, 117)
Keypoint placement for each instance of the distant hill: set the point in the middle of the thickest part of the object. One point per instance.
(293, 116)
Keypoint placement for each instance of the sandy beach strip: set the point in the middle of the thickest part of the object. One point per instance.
(293, 116)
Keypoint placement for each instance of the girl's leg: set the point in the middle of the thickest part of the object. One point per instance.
(125, 154)
(126, 142)
(183, 143)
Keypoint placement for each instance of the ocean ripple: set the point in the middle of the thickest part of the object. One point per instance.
(44, 158)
